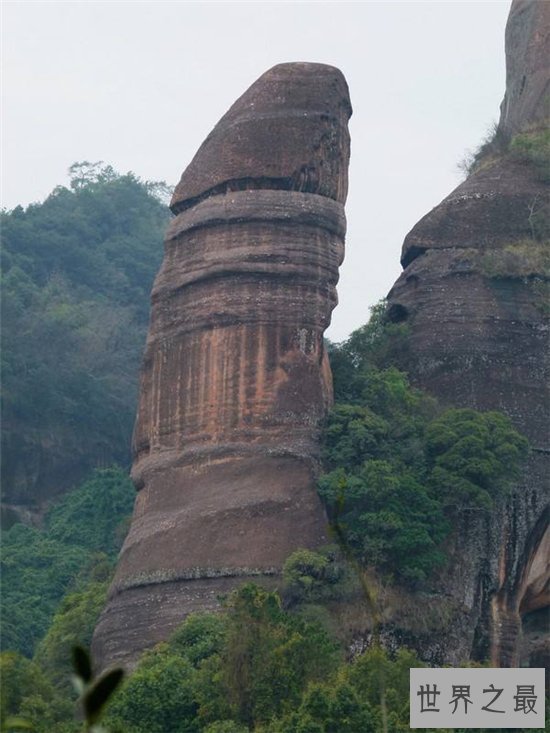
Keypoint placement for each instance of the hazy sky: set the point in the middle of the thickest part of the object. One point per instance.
(139, 85)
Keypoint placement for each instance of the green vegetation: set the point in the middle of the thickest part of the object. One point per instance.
(158, 697)
(256, 667)
(94, 515)
(398, 467)
(77, 271)
(398, 470)
(54, 585)
(373, 345)
(523, 259)
(36, 571)
(493, 146)
(40, 566)
(313, 577)
(246, 667)
(76, 275)
(473, 457)
(27, 694)
(29, 700)
(73, 624)
(527, 260)
(533, 148)
(94, 692)
(261, 669)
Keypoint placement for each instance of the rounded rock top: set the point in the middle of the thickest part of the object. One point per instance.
(288, 131)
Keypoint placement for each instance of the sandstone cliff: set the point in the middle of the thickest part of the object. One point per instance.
(235, 379)
(474, 294)
(526, 101)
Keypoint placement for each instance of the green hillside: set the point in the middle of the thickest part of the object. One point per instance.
(77, 272)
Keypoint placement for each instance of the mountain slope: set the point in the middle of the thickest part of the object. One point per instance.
(76, 275)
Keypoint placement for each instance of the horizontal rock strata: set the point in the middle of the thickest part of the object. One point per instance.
(235, 379)
(474, 294)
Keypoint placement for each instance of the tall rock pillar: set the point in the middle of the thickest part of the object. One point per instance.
(474, 293)
(235, 379)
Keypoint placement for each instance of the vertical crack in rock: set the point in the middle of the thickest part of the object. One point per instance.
(474, 293)
(235, 380)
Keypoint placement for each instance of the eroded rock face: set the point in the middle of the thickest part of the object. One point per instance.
(288, 131)
(474, 295)
(235, 379)
(527, 98)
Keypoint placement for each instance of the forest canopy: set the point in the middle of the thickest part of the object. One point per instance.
(77, 272)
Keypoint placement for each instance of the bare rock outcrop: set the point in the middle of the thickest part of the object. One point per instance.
(474, 293)
(235, 379)
(526, 102)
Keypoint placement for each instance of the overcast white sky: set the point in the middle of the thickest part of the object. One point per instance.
(139, 85)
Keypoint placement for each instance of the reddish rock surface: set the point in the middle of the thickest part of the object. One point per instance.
(288, 131)
(235, 379)
(527, 98)
(474, 295)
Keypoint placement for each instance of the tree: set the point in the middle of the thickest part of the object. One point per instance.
(397, 467)
(73, 624)
(40, 566)
(28, 694)
(158, 697)
(94, 514)
(474, 457)
(77, 272)
(268, 658)
(36, 572)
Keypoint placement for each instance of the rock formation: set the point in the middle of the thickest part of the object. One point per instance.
(474, 293)
(526, 101)
(235, 379)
